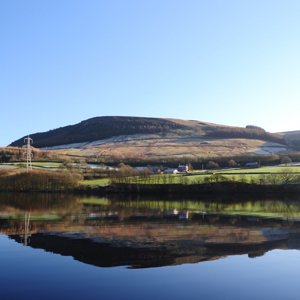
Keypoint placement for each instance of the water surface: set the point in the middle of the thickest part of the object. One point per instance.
(59, 247)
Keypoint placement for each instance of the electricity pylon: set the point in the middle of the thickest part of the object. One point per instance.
(28, 152)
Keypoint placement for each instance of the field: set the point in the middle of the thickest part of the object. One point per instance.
(35, 165)
(275, 169)
(95, 182)
(258, 175)
(263, 175)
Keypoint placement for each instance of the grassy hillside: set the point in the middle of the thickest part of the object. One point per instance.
(147, 140)
(292, 138)
(106, 127)
(100, 128)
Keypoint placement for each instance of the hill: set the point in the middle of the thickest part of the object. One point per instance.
(145, 139)
(107, 127)
(292, 138)
(100, 128)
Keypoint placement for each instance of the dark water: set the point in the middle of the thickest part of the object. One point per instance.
(69, 247)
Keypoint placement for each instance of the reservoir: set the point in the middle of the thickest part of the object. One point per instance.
(74, 247)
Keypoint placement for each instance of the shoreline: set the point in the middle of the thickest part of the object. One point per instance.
(193, 191)
(65, 184)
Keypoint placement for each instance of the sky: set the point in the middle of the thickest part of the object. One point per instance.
(222, 61)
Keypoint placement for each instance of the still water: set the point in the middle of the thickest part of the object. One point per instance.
(70, 247)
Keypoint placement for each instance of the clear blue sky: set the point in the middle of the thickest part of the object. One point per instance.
(229, 62)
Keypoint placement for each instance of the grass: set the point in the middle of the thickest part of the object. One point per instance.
(196, 177)
(257, 175)
(37, 165)
(95, 182)
(47, 164)
(275, 169)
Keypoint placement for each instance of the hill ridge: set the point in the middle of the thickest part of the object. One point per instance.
(104, 127)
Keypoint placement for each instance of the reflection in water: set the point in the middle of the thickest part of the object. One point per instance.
(140, 234)
(24, 237)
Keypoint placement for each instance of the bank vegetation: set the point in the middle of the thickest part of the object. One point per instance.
(38, 181)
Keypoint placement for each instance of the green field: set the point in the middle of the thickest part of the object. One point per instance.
(36, 165)
(95, 182)
(274, 169)
(264, 175)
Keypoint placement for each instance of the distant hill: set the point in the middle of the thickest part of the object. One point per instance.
(292, 138)
(147, 140)
(100, 128)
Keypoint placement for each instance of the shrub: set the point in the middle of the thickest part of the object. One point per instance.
(212, 165)
(39, 181)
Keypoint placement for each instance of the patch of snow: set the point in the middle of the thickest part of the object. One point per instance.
(114, 139)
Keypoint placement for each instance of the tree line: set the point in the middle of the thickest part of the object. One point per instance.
(250, 132)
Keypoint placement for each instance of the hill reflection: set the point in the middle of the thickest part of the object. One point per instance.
(142, 233)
